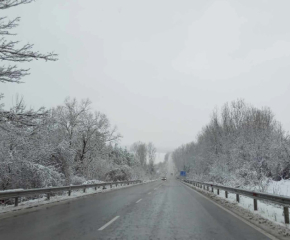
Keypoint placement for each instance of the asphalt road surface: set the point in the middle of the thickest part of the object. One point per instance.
(158, 210)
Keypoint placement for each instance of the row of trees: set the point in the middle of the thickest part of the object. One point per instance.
(240, 145)
(64, 145)
(145, 154)
(67, 145)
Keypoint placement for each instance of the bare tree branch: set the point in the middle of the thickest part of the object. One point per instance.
(4, 4)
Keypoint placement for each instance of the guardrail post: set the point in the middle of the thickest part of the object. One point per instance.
(226, 194)
(48, 196)
(84, 190)
(116, 184)
(218, 192)
(255, 204)
(286, 215)
(69, 192)
(16, 201)
(96, 188)
(238, 197)
(111, 186)
(211, 189)
(207, 188)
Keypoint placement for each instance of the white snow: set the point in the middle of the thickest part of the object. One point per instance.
(269, 216)
(268, 210)
(280, 188)
(11, 190)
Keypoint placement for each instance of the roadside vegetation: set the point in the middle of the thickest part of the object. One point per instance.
(240, 146)
(68, 144)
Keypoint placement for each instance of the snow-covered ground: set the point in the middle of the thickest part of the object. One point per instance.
(59, 197)
(267, 210)
(269, 216)
(280, 188)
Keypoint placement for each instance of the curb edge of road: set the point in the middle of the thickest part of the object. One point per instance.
(47, 205)
(262, 229)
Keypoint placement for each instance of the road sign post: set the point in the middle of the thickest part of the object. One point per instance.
(183, 174)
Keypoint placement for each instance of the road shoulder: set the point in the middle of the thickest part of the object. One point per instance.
(13, 212)
(268, 228)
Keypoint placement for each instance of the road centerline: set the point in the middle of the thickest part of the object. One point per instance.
(108, 223)
(149, 193)
(139, 200)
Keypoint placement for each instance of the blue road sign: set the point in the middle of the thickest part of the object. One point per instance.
(183, 173)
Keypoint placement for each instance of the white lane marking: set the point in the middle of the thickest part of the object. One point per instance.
(139, 200)
(149, 193)
(108, 223)
(237, 216)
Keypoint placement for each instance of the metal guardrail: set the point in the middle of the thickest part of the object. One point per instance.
(277, 199)
(48, 191)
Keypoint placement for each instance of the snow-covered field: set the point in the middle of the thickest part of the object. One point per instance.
(59, 197)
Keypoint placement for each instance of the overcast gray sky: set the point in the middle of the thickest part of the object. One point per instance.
(158, 68)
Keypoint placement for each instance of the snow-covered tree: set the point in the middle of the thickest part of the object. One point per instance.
(241, 145)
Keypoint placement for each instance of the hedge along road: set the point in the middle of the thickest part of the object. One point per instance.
(171, 211)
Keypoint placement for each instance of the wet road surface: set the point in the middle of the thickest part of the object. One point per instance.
(157, 210)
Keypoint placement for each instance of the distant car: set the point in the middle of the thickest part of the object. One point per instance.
(164, 178)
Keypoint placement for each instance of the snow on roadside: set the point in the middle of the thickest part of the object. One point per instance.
(269, 216)
(280, 188)
(271, 211)
(267, 210)
(60, 197)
